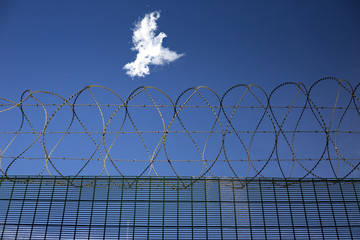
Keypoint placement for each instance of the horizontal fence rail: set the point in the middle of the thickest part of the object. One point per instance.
(245, 133)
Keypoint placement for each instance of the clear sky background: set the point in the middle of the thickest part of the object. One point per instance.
(63, 46)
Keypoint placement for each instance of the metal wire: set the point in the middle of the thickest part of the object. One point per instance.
(223, 110)
(212, 208)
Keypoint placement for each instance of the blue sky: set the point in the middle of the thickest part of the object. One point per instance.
(63, 46)
(66, 45)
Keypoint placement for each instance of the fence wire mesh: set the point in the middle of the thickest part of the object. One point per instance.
(290, 159)
(211, 208)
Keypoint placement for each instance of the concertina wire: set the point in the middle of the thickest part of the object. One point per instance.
(340, 165)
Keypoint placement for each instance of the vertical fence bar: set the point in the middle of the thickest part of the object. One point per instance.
(107, 207)
(276, 208)
(346, 212)
(177, 208)
(63, 214)
(332, 209)
(192, 210)
(305, 211)
(92, 208)
(206, 212)
(318, 209)
(50, 205)
(121, 204)
(22, 208)
(220, 212)
(248, 201)
(163, 217)
(36, 206)
(290, 209)
(78, 206)
(134, 222)
(149, 207)
(235, 215)
(262, 208)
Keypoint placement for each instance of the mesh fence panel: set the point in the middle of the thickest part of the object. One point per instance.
(151, 208)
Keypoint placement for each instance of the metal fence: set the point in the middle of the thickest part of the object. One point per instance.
(290, 156)
(151, 208)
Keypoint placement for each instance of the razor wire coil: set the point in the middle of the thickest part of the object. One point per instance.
(224, 124)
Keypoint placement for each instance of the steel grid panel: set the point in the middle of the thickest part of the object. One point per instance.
(149, 208)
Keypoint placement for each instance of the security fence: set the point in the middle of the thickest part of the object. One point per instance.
(282, 164)
(149, 208)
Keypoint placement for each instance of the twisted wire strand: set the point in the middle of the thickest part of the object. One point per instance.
(172, 114)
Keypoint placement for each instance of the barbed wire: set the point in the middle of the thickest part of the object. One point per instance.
(172, 106)
(177, 131)
(222, 119)
(173, 160)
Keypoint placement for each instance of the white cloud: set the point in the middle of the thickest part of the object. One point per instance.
(149, 47)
